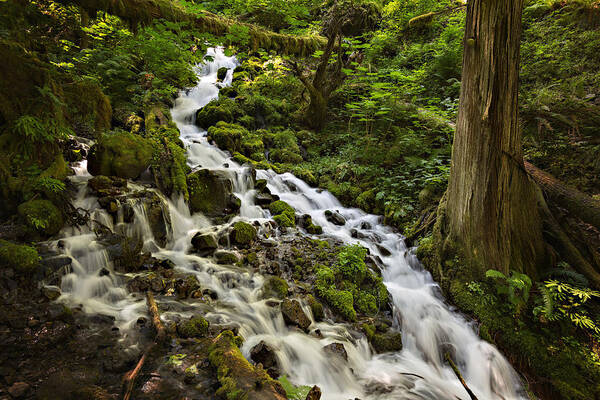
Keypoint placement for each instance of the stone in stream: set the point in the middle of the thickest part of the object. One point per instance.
(335, 218)
(314, 394)
(337, 349)
(306, 222)
(122, 154)
(205, 243)
(226, 257)
(222, 73)
(294, 315)
(264, 354)
(243, 233)
(211, 193)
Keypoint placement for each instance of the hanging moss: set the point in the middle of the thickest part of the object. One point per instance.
(20, 257)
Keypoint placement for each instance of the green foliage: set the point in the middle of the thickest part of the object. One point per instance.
(564, 302)
(516, 287)
(351, 263)
(293, 392)
(41, 216)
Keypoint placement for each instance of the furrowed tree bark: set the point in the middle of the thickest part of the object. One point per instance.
(577, 203)
(492, 210)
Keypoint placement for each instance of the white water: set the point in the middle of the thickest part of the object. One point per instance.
(428, 325)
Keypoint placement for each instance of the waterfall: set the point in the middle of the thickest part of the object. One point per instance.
(429, 326)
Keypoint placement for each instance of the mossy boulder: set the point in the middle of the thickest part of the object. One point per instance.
(226, 257)
(41, 216)
(284, 147)
(283, 213)
(243, 233)
(307, 223)
(204, 242)
(121, 154)
(20, 257)
(228, 91)
(211, 193)
(215, 111)
(275, 286)
(195, 327)
(227, 136)
(383, 339)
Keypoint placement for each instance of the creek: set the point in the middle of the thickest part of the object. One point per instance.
(429, 326)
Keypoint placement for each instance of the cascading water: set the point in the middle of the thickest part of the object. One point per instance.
(428, 325)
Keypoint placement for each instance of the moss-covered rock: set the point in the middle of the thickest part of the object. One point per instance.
(275, 286)
(238, 378)
(228, 91)
(315, 307)
(41, 216)
(20, 257)
(383, 342)
(211, 192)
(283, 213)
(195, 327)
(227, 136)
(294, 315)
(243, 233)
(121, 154)
(284, 147)
(226, 257)
(215, 111)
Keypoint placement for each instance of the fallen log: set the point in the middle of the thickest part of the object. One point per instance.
(577, 203)
(459, 376)
(161, 335)
(145, 11)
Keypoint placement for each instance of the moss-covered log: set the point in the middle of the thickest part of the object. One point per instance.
(144, 11)
(577, 203)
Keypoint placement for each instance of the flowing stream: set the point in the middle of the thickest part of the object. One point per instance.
(429, 326)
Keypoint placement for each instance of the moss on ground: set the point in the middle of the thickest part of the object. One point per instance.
(195, 327)
(41, 216)
(22, 258)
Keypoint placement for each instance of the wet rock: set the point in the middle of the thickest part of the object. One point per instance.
(222, 73)
(211, 193)
(384, 251)
(51, 293)
(110, 204)
(103, 272)
(264, 354)
(204, 243)
(355, 233)
(294, 315)
(306, 222)
(193, 328)
(55, 263)
(261, 186)
(314, 393)
(18, 389)
(275, 286)
(125, 252)
(243, 233)
(226, 257)
(186, 287)
(316, 307)
(365, 225)
(335, 218)
(337, 349)
(263, 199)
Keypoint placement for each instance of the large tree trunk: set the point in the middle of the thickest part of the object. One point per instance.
(492, 209)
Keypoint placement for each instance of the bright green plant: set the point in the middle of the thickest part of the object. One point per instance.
(564, 302)
(516, 287)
